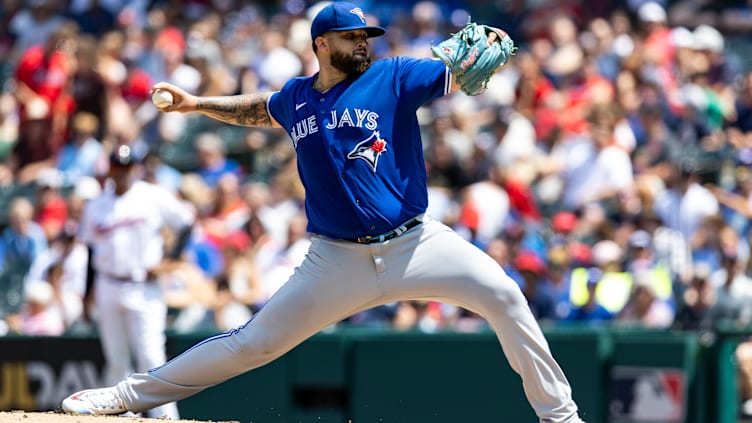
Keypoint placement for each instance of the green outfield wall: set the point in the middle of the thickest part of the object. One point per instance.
(617, 376)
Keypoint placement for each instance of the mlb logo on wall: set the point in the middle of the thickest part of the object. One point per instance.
(647, 395)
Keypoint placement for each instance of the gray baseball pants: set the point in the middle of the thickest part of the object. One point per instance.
(340, 278)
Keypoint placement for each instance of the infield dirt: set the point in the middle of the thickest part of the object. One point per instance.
(60, 417)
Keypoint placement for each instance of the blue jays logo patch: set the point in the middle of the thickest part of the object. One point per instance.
(359, 13)
(369, 149)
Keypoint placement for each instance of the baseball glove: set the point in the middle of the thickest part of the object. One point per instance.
(473, 55)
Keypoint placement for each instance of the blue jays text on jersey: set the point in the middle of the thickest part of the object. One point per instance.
(360, 156)
(304, 127)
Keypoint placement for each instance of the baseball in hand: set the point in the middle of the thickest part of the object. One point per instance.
(162, 98)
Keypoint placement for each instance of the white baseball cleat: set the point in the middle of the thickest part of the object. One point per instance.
(95, 402)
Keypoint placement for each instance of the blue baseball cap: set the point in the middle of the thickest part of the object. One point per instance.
(123, 156)
(342, 16)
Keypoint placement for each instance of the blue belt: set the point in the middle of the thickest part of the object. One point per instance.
(394, 233)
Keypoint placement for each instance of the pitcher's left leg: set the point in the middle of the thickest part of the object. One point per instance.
(444, 267)
(335, 280)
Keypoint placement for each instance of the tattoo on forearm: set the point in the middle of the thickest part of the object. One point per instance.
(245, 109)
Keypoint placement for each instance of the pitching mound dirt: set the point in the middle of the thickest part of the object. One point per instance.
(60, 417)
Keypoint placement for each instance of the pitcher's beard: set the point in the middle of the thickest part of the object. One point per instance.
(352, 65)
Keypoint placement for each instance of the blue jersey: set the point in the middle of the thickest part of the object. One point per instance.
(360, 156)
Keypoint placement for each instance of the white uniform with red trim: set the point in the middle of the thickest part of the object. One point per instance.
(125, 234)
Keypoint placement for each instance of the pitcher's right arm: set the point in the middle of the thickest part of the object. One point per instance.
(243, 109)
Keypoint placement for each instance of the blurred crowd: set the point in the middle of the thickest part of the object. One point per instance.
(606, 169)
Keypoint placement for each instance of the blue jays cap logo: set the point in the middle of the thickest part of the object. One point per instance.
(359, 13)
(369, 149)
(342, 16)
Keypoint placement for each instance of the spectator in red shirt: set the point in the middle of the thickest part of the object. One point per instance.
(533, 88)
(41, 78)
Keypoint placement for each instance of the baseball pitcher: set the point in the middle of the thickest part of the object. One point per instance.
(359, 154)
